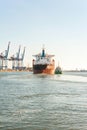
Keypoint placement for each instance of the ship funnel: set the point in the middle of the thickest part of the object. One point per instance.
(43, 51)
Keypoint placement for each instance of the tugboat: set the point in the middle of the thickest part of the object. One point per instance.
(43, 63)
(58, 70)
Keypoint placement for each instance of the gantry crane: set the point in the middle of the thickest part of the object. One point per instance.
(4, 58)
(15, 59)
(21, 67)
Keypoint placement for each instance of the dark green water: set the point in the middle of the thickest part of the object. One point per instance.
(43, 102)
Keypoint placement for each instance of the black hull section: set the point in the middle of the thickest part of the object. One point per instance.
(39, 67)
(48, 69)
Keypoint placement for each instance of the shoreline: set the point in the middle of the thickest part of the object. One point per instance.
(10, 70)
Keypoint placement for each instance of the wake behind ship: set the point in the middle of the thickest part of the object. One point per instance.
(43, 63)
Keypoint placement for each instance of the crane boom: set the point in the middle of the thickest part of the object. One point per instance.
(23, 54)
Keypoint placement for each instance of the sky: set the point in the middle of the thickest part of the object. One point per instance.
(61, 25)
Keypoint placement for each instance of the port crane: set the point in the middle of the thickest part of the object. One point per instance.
(21, 59)
(4, 58)
(15, 59)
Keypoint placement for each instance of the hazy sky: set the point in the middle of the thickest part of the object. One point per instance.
(59, 24)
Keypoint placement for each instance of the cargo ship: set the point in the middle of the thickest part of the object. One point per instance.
(43, 63)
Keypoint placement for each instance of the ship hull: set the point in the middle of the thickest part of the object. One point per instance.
(40, 68)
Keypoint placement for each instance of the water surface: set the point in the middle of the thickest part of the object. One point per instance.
(43, 102)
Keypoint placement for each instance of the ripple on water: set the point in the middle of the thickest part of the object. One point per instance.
(43, 102)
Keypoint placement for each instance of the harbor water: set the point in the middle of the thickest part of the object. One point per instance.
(43, 102)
